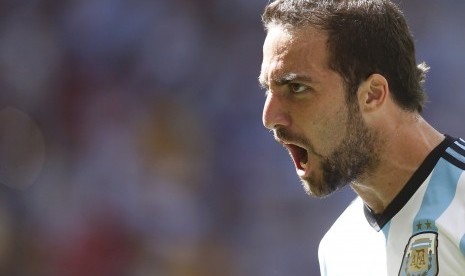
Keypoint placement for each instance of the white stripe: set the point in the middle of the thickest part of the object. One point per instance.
(460, 145)
(401, 229)
(452, 222)
(421, 244)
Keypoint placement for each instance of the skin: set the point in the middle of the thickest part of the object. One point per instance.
(372, 144)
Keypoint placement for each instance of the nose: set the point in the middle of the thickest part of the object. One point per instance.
(274, 112)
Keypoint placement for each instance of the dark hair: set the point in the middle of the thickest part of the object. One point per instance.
(364, 37)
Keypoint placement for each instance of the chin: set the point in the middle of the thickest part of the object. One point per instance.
(317, 190)
(320, 189)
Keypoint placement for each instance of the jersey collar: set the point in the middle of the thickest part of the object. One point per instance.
(378, 221)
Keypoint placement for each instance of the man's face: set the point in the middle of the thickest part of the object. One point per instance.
(307, 110)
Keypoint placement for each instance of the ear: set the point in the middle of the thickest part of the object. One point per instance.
(372, 93)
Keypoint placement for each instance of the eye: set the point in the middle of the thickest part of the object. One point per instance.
(297, 88)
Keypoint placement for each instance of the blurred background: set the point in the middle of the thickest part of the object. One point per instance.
(156, 159)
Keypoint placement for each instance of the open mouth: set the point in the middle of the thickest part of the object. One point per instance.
(299, 155)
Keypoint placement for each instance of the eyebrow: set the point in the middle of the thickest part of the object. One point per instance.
(286, 79)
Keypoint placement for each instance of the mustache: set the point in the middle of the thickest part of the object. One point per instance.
(284, 136)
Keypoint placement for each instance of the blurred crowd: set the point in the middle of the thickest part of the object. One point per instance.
(156, 161)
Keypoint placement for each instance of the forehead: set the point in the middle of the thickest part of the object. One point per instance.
(299, 50)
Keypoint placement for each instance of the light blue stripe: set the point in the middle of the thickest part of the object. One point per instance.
(462, 245)
(455, 154)
(386, 229)
(460, 145)
(421, 244)
(439, 194)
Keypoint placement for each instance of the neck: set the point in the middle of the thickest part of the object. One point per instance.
(405, 145)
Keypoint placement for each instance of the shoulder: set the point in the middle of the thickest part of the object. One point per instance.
(351, 222)
(352, 246)
(455, 153)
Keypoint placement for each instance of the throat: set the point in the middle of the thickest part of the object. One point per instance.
(374, 199)
(378, 190)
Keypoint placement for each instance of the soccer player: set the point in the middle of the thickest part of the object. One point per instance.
(344, 96)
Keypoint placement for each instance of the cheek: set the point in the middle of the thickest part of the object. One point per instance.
(329, 130)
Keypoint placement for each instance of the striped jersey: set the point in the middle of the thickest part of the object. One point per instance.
(421, 232)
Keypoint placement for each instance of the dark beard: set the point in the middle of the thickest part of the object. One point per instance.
(353, 157)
